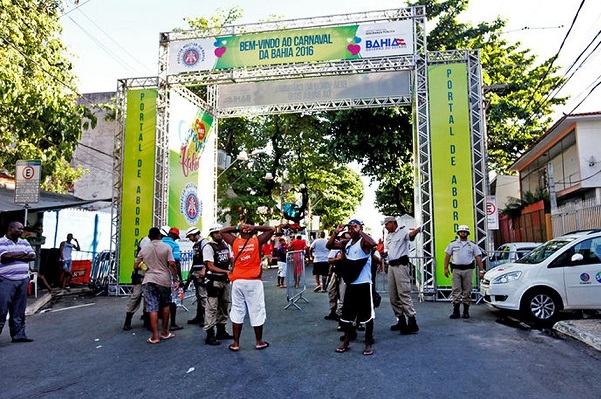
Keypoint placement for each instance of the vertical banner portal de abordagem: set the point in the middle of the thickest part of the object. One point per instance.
(451, 157)
(138, 176)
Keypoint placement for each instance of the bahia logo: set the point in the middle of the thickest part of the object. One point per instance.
(385, 43)
(189, 204)
(585, 277)
(191, 54)
(598, 277)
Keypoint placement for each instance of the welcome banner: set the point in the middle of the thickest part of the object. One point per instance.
(378, 39)
(138, 176)
(191, 165)
(451, 157)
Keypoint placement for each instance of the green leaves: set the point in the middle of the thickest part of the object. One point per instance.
(39, 117)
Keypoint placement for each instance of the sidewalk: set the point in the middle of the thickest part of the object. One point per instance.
(587, 331)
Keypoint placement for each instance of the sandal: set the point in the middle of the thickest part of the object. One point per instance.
(233, 348)
(152, 341)
(342, 349)
(369, 350)
(170, 335)
(265, 345)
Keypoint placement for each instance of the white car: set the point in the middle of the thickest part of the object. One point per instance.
(510, 252)
(562, 274)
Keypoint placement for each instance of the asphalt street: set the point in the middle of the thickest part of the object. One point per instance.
(80, 351)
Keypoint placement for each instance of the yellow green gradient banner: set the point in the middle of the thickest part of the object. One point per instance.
(138, 176)
(451, 152)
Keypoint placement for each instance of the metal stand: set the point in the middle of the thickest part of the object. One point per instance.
(295, 278)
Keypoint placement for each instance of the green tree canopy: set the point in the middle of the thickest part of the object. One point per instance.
(39, 116)
(516, 115)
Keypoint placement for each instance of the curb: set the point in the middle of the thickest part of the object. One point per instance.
(584, 331)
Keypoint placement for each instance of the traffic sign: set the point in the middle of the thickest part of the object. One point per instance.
(27, 181)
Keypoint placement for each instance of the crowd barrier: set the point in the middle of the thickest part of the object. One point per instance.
(295, 278)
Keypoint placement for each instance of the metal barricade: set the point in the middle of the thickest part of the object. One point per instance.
(295, 278)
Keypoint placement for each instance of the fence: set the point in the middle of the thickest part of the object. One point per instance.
(295, 278)
(574, 216)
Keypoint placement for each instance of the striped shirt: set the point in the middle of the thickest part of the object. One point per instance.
(17, 269)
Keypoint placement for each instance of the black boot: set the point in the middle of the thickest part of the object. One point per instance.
(146, 319)
(401, 324)
(412, 327)
(466, 311)
(211, 339)
(455, 314)
(222, 332)
(127, 324)
(199, 318)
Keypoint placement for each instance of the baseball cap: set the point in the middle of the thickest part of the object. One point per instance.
(388, 219)
(174, 230)
(356, 221)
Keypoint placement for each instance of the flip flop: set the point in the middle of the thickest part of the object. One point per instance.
(169, 336)
(233, 348)
(368, 351)
(259, 347)
(342, 349)
(152, 341)
(176, 328)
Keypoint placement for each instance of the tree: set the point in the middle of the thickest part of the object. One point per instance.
(39, 117)
(516, 115)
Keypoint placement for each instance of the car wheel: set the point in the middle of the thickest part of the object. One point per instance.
(541, 306)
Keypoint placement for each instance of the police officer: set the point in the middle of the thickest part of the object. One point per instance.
(399, 274)
(463, 252)
(218, 260)
(197, 274)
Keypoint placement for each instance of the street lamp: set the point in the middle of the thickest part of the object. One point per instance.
(243, 156)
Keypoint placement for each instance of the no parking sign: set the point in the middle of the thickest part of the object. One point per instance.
(492, 213)
(27, 182)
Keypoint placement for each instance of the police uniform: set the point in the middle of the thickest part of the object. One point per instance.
(216, 311)
(463, 254)
(399, 279)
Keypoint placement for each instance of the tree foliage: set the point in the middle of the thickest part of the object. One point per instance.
(39, 117)
(516, 115)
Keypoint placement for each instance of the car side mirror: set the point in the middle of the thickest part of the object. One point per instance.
(577, 258)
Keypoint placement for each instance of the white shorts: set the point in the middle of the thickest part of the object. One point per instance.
(281, 269)
(248, 294)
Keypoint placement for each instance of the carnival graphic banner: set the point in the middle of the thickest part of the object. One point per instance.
(377, 39)
(191, 161)
(451, 157)
(138, 176)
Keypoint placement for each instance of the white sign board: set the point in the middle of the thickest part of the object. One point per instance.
(492, 212)
(27, 182)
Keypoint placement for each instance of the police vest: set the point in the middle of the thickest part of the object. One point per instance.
(221, 259)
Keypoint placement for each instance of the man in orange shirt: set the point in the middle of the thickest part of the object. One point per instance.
(247, 287)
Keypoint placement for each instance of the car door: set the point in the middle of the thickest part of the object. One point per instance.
(582, 278)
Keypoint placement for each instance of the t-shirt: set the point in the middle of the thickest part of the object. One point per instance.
(267, 249)
(320, 252)
(297, 245)
(17, 269)
(67, 250)
(247, 264)
(156, 256)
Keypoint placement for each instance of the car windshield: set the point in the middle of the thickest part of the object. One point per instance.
(542, 252)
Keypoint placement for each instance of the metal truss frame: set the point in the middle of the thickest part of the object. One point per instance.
(479, 155)
(417, 63)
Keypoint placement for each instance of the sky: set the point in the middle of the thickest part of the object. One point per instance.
(115, 39)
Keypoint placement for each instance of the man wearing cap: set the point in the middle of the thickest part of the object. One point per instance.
(170, 235)
(463, 252)
(217, 258)
(197, 274)
(399, 274)
(358, 303)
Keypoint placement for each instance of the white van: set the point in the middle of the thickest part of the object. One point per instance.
(510, 252)
(564, 273)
